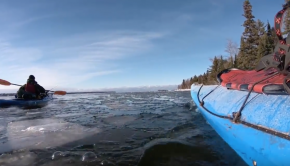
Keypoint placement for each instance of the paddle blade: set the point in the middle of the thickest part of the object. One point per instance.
(59, 92)
(4, 82)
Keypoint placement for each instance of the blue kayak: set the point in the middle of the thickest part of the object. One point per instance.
(260, 136)
(26, 104)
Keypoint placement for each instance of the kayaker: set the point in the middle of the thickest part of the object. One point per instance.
(30, 90)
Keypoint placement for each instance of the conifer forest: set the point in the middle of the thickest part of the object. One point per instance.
(257, 40)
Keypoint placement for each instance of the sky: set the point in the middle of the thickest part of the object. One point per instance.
(95, 44)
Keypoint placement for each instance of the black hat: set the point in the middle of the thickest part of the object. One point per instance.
(31, 77)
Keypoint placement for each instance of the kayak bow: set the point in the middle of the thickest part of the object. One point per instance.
(261, 135)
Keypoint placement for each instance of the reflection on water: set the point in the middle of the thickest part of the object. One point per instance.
(112, 129)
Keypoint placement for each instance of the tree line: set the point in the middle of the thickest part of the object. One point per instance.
(257, 40)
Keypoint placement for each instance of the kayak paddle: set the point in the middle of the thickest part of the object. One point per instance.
(6, 83)
(59, 92)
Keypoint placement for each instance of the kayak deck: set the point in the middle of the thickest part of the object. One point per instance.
(262, 134)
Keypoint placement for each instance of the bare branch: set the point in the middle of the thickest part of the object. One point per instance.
(232, 48)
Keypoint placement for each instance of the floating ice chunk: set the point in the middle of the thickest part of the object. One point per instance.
(23, 157)
(29, 134)
(56, 155)
(89, 156)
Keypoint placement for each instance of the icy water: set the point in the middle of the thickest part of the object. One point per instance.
(145, 129)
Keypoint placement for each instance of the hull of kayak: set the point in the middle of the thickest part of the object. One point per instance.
(262, 135)
(25, 104)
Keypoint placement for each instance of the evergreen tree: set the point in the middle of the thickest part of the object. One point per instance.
(214, 68)
(262, 39)
(242, 59)
(262, 50)
(235, 62)
(230, 63)
(260, 27)
(274, 36)
(191, 81)
(205, 79)
(255, 43)
(187, 84)
(195, 79)
(221, 64)
(270, 45)
(250, 37)
(183, 86)
(200, 79)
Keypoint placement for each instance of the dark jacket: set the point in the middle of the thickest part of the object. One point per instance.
(39, 89)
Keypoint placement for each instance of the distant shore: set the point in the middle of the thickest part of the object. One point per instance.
(12, 94)
(182, 90)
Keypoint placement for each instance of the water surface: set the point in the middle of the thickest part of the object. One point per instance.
(146, 129)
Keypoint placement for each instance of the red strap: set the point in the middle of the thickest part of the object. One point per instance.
(278, 21)
(277, 26)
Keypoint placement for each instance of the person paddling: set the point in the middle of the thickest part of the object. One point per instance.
(30, 90)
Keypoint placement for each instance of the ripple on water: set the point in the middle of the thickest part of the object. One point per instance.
(174, 152)
(119, 120)
(69, 115)
(117, 128)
